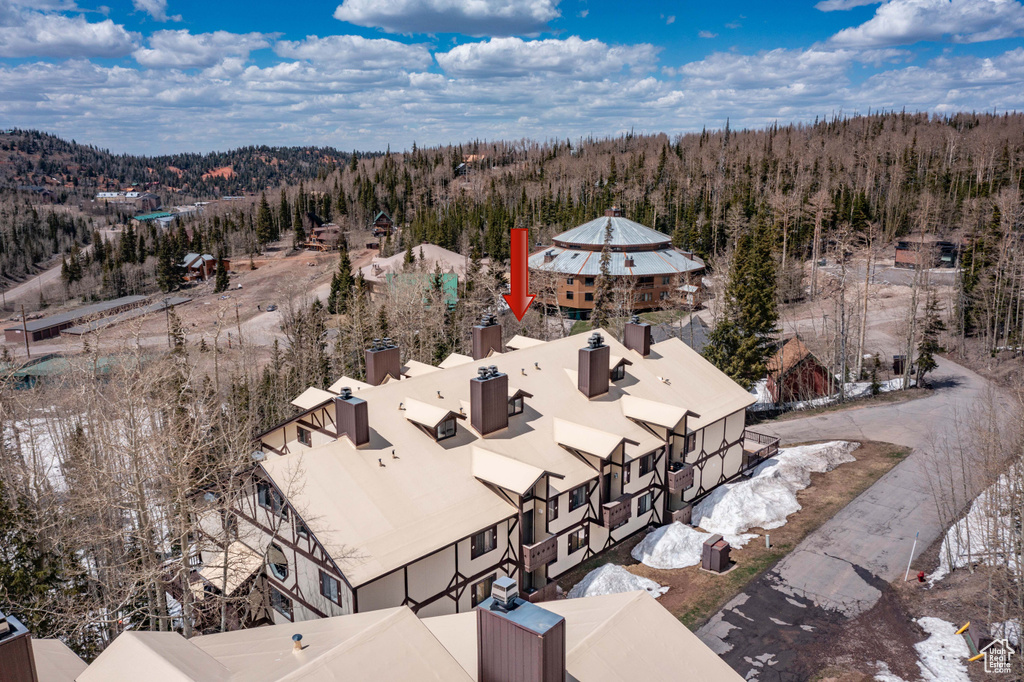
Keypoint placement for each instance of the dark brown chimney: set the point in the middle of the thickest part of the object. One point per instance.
(382, 360)
(549, 255)
(17, 663)
(518, 641)
(636, 335)
(488, 400)
(593, 368)
(613, 212)
(351, 417)
(486, 337)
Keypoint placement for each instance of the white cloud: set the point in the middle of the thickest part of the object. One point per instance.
(841, 5)
(183, 50)
(671, 19)
(573, 56)
(706, 34)
(582, 14)
(156, 9)
(472, 17)
(356, 52)
(27, 33)
(903, 22)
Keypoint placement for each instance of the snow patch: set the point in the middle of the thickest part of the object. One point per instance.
(941, 657)
(673, 546)
(886, 675)
(613, 579)
(768, 498)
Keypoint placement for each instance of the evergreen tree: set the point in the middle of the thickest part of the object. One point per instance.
(264, 222)
(929, 345)
(297, 228)
(410, 258)
(167, 276)
(128, 246)
(603, 286)
(742, 342)
(284, 212)
(222, 279)
(341, 286)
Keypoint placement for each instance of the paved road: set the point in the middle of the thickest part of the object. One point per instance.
(840, 570)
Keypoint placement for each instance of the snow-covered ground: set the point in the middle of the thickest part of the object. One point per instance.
(857, 389)
(767, 498)
(673, 546)
(942, 657)
(986, 534)
(612, 579)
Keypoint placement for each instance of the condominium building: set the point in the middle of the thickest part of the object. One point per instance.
(423, 485)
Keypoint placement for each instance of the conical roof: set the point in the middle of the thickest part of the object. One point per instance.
(625, 234)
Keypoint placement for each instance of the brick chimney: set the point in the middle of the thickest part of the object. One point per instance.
(487, 337)
(593, 372)
(383, 359)
(636, 335)
(613, 212)
(351, 417)
(488, 400)
(518, 641)
(17, 663)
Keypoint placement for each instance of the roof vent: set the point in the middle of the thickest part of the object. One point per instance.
(630, 263)
(297, 645)
(346, 393)
(504, 591)
(549, 255)
(595, 340)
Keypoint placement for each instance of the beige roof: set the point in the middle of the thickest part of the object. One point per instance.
(616, 360)
(55, 662)
(613, 638)
(652, 411)
(696, 383)
(312, 397)
(242, 562)
(354, 384)
(375, 519)
(433, 255)
(415, 368)
(505, 472)
(518, 342)
(391, 644)
(454, 360)
(164, 656)
(426, 414)
(586, 439)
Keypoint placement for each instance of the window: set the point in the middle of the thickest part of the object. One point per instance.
(446, 429)
(666, 280)
(482, 589)
(483, 542)
(645, 281)
(569, 280)
(305, 437)
(644, 504)
(577, 540)
(588, 281)
(302, 530)
(278, 562)
(578, 497)
(570, 295)
(588, 296)
(552, 509)
(618, 372)
(269, 498)
(627, 468)
(515, 406)
(330, 587)
(691, 442)
(281, 603)
(644, 297)
(664, 295)
(646, 464)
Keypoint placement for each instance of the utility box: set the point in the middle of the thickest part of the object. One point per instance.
(715, 555)
(899, 363)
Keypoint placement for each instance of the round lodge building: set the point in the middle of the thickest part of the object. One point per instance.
(641, 258)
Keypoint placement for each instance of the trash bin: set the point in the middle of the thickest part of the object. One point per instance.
(715, 554)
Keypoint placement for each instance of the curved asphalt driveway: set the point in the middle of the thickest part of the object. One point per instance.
(838, 571)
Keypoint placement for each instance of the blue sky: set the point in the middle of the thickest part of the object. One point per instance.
(155, 76)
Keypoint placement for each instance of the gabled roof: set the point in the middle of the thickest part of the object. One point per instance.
(596, 442)
(792, 353)
(55, 662)
(428, 415)
(454, 360)
(312, 397)
(165, 656)
(653, 412)
(504, 472)
(415, 368)
(519, 342)
(354, 384)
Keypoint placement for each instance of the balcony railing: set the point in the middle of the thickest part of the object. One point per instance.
(547, 593)
(683, 515)
(540, 553)
(757, 447)
(617, 512)
(680, 476)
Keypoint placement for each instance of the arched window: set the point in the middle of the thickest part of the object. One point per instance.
(278, 562)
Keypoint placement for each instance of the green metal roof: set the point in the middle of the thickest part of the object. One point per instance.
(153, 216)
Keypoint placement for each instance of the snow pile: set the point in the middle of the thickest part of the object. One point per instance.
(886, 675)
(769, 496)
(1010, 629)
(854, 390)
(673, 546)
(613, 579)
(942, 656)
(987, 534)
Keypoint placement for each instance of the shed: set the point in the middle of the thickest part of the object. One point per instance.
(795, 374)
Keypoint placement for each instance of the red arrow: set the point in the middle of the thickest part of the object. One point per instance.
(519, 300)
